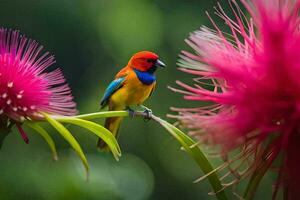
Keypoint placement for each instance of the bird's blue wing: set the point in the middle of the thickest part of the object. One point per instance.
(112, 87)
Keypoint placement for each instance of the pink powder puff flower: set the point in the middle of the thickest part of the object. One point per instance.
(27, 88)
(251, 76)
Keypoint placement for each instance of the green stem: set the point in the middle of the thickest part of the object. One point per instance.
(188, 143)
(103, 115)
(268, 156)
(4, 131)
(195, 152)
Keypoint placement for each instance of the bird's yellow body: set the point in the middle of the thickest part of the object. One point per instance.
(133, 92)
(131, 87)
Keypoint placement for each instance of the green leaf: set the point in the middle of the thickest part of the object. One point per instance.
(69, 137)
(98, 130)
(194, 151)
(45, 135)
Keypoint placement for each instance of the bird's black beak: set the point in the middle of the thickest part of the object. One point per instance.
(159, 63)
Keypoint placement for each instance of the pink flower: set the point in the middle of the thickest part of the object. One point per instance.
(27, 86)
(252, 79)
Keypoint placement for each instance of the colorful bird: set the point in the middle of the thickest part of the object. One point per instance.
(131, 87)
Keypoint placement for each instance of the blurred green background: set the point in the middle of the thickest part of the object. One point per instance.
(92, 40)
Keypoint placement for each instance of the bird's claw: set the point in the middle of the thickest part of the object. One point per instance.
(131, 112)
(148, 114)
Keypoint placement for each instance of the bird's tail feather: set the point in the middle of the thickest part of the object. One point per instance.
(113, 125)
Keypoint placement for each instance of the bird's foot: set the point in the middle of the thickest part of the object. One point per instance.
(131, 112)
(148, 114)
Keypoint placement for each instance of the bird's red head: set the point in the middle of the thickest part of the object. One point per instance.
(145, 61)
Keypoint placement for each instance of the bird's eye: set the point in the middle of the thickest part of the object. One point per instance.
(150, 60)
